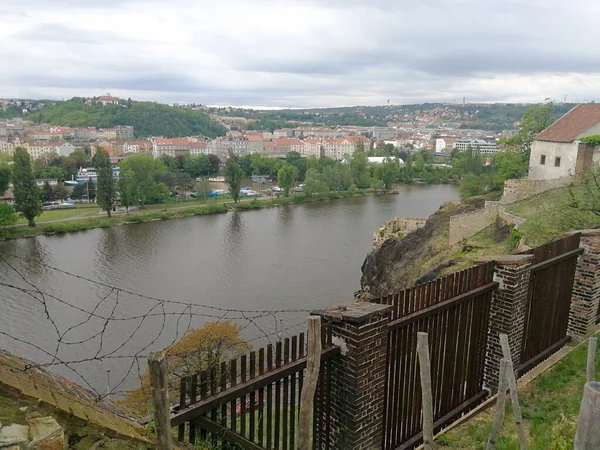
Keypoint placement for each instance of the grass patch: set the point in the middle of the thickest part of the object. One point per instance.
(61, 214)
(550, 407)
(550, 214)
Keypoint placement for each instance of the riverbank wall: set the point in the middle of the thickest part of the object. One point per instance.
(396, 228)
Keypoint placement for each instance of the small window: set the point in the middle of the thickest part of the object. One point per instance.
(543, 160)
(557, 161)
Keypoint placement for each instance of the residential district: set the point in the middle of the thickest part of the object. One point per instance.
(45, 141)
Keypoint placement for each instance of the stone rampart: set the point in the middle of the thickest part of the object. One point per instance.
(396, 228)
(516, 190)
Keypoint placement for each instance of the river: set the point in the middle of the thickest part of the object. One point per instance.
(305, 256)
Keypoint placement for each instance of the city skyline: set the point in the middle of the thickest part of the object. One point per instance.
(293, 54)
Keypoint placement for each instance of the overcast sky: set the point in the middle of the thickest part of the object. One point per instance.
(301, 53)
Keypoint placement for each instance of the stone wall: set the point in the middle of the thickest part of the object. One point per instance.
(516, 190)
(463, 226)
(395, 228)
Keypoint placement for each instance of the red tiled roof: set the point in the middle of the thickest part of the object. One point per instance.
(42, 144)
(269, 144)
(254, 138)
(176, 141)
(572, 124)
(287, 141)
(107, 99)
(197, 145)
(356, 139)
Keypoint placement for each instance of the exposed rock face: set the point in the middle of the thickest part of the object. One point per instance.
(418, 257)
(41, 433)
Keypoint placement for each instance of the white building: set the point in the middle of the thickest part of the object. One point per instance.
(481, 145)
(556, 152)
(198, 148)
(42, 149)
(382, 159)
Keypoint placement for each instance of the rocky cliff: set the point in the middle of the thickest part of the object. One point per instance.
(418, 257)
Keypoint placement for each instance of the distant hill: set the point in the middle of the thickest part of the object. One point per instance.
(148, 118)
(491, 117)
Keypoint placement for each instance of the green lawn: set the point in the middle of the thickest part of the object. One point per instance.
(550, 406)
(61, 214)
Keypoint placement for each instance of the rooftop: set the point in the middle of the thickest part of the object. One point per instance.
(572, 124)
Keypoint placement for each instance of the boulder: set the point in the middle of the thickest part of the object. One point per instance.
(46, 434)
(13, 434)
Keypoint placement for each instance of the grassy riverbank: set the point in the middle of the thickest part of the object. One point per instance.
(87, 217)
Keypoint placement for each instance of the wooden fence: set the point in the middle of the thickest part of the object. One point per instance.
(254, 401)
(549, 299)
(454, 310)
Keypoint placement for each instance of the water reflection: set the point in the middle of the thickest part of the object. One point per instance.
(298, 256)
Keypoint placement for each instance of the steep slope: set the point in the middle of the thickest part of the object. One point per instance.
(148, 119)
(419, 256)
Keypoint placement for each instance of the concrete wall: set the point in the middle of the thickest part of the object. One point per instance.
(568, 159)
(463, 226)
(395, 227)
(515, 190)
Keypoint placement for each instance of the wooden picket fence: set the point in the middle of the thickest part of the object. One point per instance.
(253, 401)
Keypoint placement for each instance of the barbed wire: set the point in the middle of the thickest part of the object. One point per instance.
(111, 298)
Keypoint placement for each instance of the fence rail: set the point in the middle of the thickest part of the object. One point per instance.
(454, 311)
(253, 401)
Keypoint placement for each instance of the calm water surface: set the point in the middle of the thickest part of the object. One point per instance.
(291, 257)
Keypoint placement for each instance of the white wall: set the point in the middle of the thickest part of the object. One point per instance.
(568, 159)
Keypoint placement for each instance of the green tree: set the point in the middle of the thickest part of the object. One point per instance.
(360, 171)
(7, 215)
(46, 194)
(26, 192)
(60, 192)
(106, 191)
(215, 163)
(286, 177)
(234, 175)
(53, 172)
(387, 173)
(145, 172)
(126, 188)
(5, 173)
(79, 192)
(534, 121)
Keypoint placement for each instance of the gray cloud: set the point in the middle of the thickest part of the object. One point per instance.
(302, 52)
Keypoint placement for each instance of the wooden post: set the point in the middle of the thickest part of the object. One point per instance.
(157, 364)
(514, 396)
(425, 372)
(591, 360)
(587, 436)
(313, 365)
(500, 405)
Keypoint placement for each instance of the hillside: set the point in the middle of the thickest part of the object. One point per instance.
(425, 254)
(492, 117)
(149, 119)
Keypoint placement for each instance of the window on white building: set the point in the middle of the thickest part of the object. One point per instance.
(557, 161)
(542, 160)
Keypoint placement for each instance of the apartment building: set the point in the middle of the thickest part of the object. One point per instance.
(481, 145)
(41, 149)
(124, 132)
(8, 145)
(255, 144)
(198, 148)
(171, 147)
